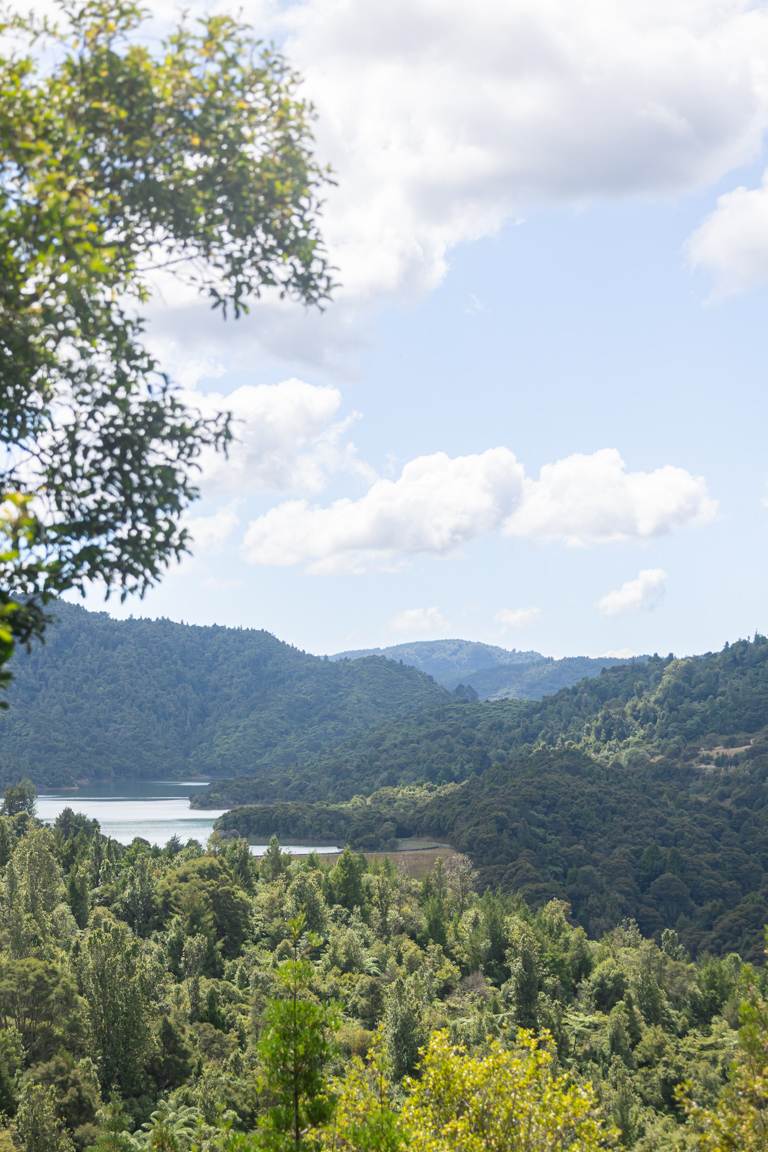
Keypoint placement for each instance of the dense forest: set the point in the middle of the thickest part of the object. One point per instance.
(679, 707)
(183, 998)
(637, 793)
(491, 672)
(106, 698)
(686, 710)
(640, 793)
(663, 844)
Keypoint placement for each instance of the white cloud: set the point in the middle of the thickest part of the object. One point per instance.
(419, 622)
(593, 499)
(643, 593)
(732, 243)
(440, 503)
(443, 121)
(436, 504)
(210, 532)
(190, 338)
(517, 617)
(288, 436)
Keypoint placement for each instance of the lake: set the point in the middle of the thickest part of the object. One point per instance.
(155, 810)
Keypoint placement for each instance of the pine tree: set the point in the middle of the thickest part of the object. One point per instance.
(295, 1048)
(404, 1031)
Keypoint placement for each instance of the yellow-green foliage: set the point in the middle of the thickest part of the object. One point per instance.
(501, 1101)
(365, 1118)
(498, 1100)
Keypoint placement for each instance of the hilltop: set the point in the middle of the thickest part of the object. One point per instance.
(150, 698)
(492, 672)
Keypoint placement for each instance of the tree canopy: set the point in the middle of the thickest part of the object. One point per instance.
(120, 157)
(208, 1001)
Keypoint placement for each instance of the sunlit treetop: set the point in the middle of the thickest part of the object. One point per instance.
(122, 154)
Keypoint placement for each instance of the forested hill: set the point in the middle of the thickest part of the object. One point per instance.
(450, 662)
(492, 672)
(660, 706)
(139, 698)
(663, 704)
(642, 793)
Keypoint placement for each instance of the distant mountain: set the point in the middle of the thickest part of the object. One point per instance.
(662, 706)
(450, 662)
(109, 698)
(494, 673)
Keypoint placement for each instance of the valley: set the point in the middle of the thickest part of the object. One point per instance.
(639, 792)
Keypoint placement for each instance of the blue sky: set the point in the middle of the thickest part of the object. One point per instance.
(564, 290)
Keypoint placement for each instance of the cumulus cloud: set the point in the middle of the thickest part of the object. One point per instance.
(643, 593)
(419, 622)
(439, 503)
(732, 243)
(444, 121)
(512, 618)
(210, 532)
(593, 499)
(289, 435)
(191, 339)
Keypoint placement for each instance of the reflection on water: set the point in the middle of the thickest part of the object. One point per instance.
(151, 809)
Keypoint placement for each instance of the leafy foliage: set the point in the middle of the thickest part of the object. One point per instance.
(241, 1005)
(119, 160)
(739, 1120)
(510, 1101)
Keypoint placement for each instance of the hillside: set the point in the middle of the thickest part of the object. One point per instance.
(147, 698)
(665, 844)
(494, 673)
(642, 793)
(448, 743)
(662, 705)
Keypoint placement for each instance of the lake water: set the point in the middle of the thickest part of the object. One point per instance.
(154, 810)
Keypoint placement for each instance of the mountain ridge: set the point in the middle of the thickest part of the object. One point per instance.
(107, 698)
(491, 671)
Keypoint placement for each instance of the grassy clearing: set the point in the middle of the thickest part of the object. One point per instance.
(416, 857)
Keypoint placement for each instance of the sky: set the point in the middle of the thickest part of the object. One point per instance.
(535, 413)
